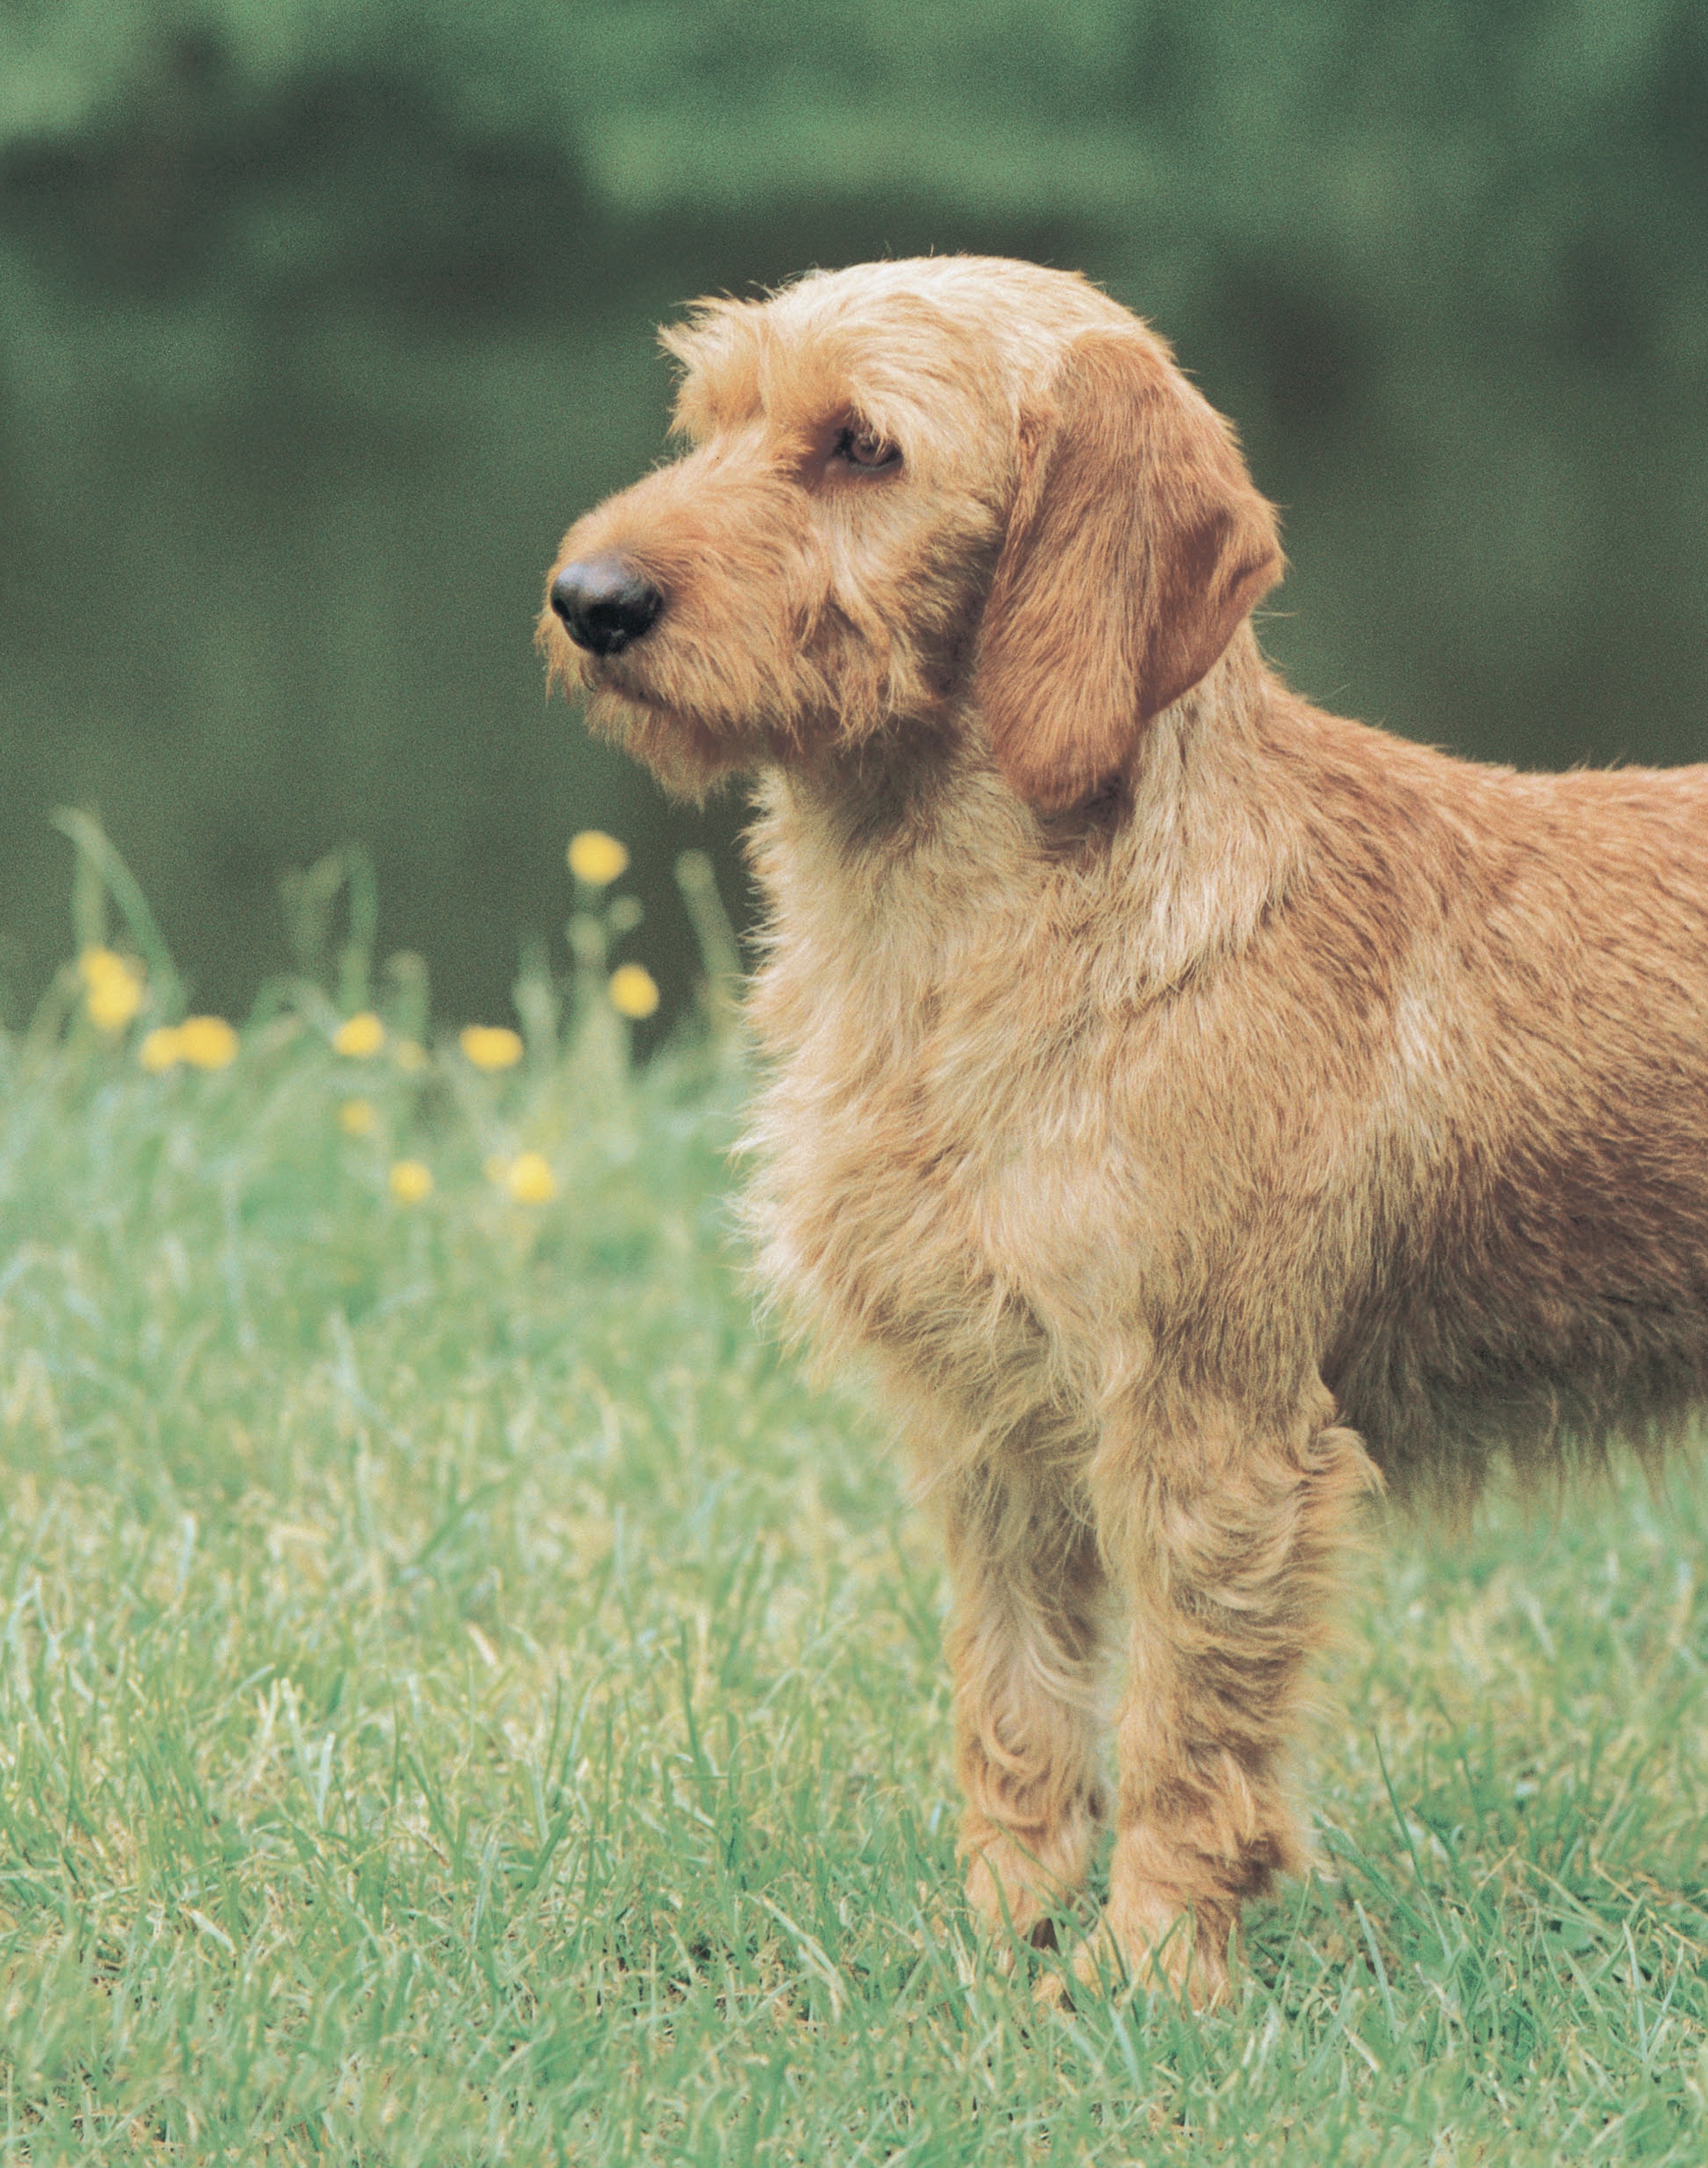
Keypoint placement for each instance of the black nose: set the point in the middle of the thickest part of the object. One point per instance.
(604, 603)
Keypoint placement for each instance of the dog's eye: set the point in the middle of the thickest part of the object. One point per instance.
(865, 448)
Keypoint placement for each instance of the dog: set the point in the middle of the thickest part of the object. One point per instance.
(1199, 1112)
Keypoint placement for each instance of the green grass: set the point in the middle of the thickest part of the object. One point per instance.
(462, 1698)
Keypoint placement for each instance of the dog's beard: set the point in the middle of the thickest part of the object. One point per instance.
(694, 738)
(690, 757)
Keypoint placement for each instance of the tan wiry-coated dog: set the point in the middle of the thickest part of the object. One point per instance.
(1184, 1099)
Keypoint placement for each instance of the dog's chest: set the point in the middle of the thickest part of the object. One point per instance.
(945, 1170)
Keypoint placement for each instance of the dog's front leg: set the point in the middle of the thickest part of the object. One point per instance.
(1026, 1648)
(1227, 1542)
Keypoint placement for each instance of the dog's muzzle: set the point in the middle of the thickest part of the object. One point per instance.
(605, 603)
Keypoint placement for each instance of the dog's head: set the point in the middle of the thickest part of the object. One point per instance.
(956, 490)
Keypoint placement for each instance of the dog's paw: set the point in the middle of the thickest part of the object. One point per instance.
(1169, 1955)
(1018, 1891)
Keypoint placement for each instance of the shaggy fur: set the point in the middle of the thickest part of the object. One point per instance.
(1190, 1102)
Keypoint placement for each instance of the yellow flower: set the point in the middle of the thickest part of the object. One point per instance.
(114, 1003)
(162, 1047)
(633, 991)
(356, 1117)
(360, 1035)
(491, 1046)
(114, 988)
(410, 1054)
(206, 1042)
(596, 858)
(530, 1180)
(411, 1180)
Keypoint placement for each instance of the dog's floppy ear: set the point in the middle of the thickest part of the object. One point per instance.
(1136, 544)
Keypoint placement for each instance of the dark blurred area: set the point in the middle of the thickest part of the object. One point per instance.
(317, 327)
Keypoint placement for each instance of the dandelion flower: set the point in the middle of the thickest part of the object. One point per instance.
(410, 1180)
(113, 988)
(360, 1035)
(596, 858)
(410, 1054)
(162, 1047)
(530, 1180)
(113, 1004)
(356, 1117)
(206, 1042)
(633, 991)
(491, 1046)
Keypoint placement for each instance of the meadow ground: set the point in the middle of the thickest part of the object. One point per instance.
(463, 1699)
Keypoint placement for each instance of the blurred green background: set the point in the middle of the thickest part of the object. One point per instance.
(320, 319)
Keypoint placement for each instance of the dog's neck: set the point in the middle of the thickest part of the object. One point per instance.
(910, 848)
